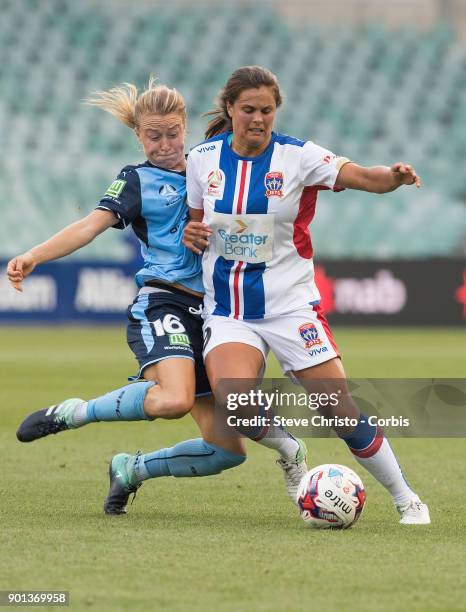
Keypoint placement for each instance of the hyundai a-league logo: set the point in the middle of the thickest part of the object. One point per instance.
(274, 184)
(310, 335)
(215, 182)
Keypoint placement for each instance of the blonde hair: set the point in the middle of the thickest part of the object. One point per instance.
(127, 105)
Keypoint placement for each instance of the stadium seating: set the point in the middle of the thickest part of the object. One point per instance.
(371, 94)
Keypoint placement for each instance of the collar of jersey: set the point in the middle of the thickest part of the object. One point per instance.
(229, 140)
(151, 165)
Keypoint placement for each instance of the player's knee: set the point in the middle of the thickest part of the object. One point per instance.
(225, 460)
(180, 403)
(235, 461)
(181, 406)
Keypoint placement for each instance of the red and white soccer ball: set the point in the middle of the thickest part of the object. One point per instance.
(331, 496)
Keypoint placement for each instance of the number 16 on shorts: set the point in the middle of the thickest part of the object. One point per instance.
(172, 326)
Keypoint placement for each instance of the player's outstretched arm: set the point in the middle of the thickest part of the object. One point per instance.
(64, 242)
(378, 179)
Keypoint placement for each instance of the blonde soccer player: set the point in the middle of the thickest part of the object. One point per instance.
(164, 322)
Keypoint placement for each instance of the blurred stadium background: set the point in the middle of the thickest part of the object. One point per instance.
(372, 80)
(377, 82)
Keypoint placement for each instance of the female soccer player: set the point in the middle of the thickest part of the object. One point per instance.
(165, 325)
(255, 191)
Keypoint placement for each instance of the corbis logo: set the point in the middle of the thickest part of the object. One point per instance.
(310, 335)
(274, 184)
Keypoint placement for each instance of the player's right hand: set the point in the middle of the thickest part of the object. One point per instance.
(18, 268)
(196, 236)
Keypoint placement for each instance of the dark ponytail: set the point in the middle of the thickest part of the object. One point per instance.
(219, 123)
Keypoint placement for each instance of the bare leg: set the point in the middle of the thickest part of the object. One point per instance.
(173, 395)
(367, 443)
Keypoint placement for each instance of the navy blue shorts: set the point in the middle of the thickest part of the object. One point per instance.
(164, 324)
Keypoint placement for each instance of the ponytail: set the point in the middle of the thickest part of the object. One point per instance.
(128, 106)
(219, 123)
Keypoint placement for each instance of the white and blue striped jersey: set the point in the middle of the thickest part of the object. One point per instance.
(259, 260)
(153, 201)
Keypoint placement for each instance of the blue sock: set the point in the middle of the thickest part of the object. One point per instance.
(125, 404)
(365, 440)
(188, 458)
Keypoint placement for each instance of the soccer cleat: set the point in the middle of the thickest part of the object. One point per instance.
(294, 470)
(414, 513)
(48, 421)
(121, 486)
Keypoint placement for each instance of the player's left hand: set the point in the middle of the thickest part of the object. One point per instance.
(404, 174)
(196, 236)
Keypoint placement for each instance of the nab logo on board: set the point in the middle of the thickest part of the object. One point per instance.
(382, 293)
(460, 294)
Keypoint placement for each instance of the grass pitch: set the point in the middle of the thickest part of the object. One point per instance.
(227, 542)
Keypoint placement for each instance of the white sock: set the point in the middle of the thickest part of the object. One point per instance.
(281, 441)
(79, 417)
(384, 467)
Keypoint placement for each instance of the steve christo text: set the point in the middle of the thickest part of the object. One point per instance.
(313, 401)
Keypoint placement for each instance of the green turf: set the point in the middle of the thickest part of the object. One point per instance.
(229, 542)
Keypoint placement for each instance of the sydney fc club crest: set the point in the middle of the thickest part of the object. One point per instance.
(274, 184)
(310, 335)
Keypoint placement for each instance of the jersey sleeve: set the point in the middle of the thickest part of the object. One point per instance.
(193, 183)
(320, 166)
(123, 198)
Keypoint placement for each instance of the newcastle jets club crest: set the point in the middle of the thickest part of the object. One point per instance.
(274, 184)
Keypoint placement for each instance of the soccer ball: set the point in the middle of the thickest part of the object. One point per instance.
(331, 496)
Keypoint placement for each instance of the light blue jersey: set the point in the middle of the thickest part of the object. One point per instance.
(153, 201)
